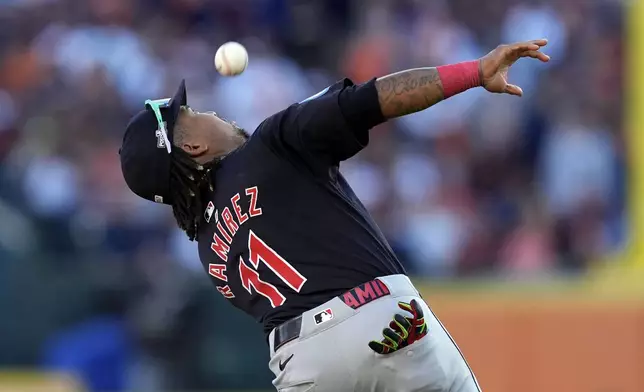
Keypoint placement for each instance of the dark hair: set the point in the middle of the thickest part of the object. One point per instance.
(188, 180)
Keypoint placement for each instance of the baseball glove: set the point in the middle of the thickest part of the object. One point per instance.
(402, 331)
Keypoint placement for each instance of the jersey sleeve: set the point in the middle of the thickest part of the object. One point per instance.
(332, 125)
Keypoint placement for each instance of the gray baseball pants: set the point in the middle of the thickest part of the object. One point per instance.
(331, 353)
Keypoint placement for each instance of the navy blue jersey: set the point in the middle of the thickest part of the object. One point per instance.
(283, 231)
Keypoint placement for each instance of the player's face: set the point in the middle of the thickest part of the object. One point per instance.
(206, 136)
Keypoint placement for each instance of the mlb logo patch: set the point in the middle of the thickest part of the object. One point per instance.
(209, 210)
(323, 316)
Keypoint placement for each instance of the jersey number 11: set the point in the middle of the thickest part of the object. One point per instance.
(258, 252)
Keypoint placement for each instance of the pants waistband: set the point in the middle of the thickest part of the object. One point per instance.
(340, 308)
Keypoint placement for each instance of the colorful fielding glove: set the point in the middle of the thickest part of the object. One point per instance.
(402, 330)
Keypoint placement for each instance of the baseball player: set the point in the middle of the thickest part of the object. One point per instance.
(285, 239)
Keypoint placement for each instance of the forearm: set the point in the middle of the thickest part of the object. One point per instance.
(417, 89)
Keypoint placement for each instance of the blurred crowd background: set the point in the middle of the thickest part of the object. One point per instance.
(94, 280)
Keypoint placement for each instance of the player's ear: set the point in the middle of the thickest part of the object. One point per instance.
(188, 138)
(194, 149)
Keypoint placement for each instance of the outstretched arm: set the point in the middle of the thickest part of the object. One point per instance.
(417, 89)
(409, 91)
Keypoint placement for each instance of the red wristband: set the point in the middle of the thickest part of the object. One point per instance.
(459, 77)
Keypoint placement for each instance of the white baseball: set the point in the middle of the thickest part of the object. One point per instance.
(231, 59)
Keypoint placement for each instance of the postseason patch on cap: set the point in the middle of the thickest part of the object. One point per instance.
(158, 199)
(323, 316)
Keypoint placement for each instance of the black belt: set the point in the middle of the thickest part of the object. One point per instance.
(286, 332)
(354, 298)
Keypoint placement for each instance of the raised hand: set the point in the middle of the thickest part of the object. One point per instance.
(494, 66)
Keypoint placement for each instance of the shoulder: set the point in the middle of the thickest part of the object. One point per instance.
(269, 133)
(287, 117)
(334, 88)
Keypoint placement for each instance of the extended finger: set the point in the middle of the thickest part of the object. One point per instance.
(528, 45)
(418, 311)
(513, 90)
(406, 307)
(541, 42)
(395, 327)
(392, 339)
(379, 347)
(532, 45)
(402, 325)
(535, 54)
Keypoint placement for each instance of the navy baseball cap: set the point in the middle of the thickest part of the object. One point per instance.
(147, 147)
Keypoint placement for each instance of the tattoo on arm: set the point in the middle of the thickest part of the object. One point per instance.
(409, 91)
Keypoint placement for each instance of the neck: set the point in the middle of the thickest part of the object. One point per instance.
(230, 144)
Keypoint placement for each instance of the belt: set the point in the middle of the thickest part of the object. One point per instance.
(287, 331)
(354, 298)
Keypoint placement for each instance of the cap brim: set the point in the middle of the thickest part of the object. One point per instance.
(179, 99)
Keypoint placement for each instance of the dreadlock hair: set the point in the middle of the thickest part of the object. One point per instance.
(188, 180)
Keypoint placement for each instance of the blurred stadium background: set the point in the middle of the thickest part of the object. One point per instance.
(519, 218)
